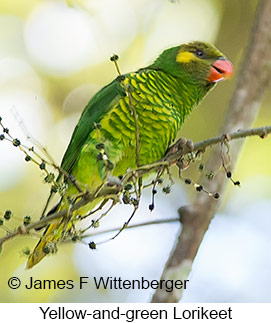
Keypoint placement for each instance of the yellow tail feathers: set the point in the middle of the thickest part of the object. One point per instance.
(55, 233)
(46, 244)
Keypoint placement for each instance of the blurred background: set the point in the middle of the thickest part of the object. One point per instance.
(54, 55)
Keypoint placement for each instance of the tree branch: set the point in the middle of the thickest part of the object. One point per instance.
(132, 226)
(180, 149)
(176, 151)
(247, 97)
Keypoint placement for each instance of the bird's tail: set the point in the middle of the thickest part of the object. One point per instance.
(54, 233)
(47, 243)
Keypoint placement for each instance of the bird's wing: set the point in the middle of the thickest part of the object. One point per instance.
(99, 105)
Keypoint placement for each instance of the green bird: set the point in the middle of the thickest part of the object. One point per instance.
(162, 95)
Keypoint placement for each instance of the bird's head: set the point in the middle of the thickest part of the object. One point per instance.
(196, 62)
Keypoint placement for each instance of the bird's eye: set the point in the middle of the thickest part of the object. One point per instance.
(199, 53)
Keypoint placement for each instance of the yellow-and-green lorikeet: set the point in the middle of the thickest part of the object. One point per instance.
(162, 94)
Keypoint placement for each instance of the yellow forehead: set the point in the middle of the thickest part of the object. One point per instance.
(185, 57)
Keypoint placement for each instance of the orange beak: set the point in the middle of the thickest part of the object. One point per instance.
(220, 70)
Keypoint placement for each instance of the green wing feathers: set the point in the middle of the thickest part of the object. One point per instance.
(98, 106)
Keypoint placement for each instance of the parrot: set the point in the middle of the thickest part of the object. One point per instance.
(162, 95)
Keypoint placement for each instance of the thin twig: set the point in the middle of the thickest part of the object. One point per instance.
(114, 58)
(136, 125)
(126, 223)
(132, 226)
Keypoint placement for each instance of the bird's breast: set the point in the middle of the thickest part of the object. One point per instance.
(158, 118)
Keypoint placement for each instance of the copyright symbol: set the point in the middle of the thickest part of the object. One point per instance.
(14, 283)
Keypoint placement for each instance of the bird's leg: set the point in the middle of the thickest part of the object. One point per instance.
(182, 146)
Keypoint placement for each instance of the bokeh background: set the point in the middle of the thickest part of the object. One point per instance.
(54, 55)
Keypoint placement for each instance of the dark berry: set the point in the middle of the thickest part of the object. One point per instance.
(16, 142)
(92, 245)
(127, 187)
(100, 146)
(151, 207)
(114, 58)
(46, 250)
(42, 165)
(27, 220)
(216, 196)
(7, 214)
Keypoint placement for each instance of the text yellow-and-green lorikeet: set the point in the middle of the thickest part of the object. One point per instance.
(162, 94)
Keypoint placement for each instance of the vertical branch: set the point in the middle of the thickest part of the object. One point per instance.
(251, 84)
(114, 59)
(136, 126)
